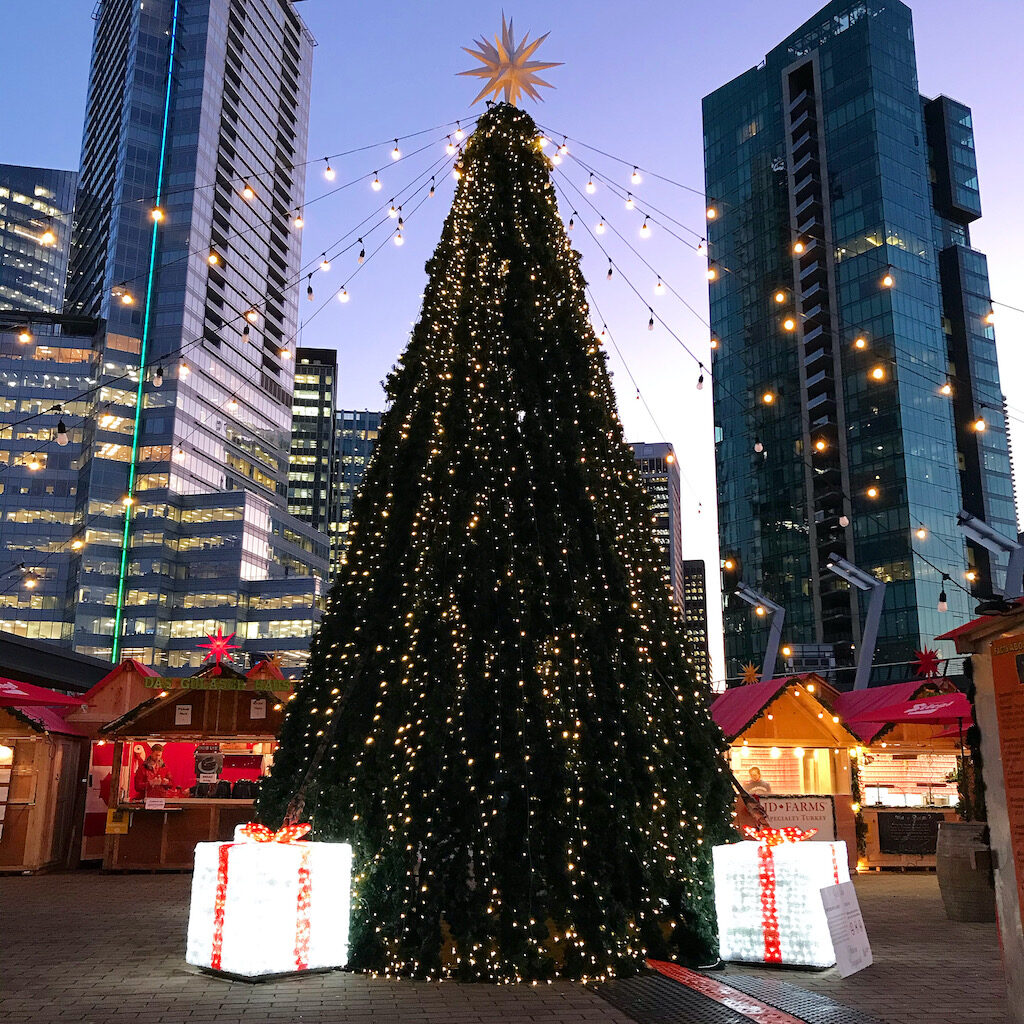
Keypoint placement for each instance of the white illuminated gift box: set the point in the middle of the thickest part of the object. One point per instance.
(269, 903)
(768, 897)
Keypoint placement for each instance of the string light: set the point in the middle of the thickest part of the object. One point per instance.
(48, 237)
(563, 149)
(298, 221)
(635, 177)
(630, 205)
(213, 259)
(399, 240)
(431, 193)
(252, 315)
(396, 153)
(158, 377)
(888, 280)
(860, 343)
(971, 575)
(375, 184)
(645, 229)
(650, 323)
(24, 335)
(659, 288)
(183, 370)
(285, 354)
(62, 434)
(712, 272)
(711, 213)
(599, 229)
(872, 491)
(702, 247)
(878, 373)
(821, 444)
(990, 317)
(343, 295)
(714, 343)
(248, 192)
(780, 297)
(329, 170)
(33, 463)
(309, 288)
(921, 532)
(77, 544)
(450, 148)
(768, 398)
(946, 389)
(459, 133)
(798, 247)
(31, 582)
(758, 446)
(700, 381)
(362, 251)
(232, 403)
(591, 187)
(157, 214)
(127, 501)
(789, 324)
(393, 211)
(572, 220)
(943, 605)
(844, 520)
(325, 263)
(979, 426)
(179, 455)
(609, 268)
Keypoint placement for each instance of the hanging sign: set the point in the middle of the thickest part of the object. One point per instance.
(183, 714)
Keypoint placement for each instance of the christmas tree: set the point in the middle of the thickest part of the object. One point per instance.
(498, 711)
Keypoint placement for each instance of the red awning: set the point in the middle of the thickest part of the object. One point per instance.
(14, 694)
(942, 709)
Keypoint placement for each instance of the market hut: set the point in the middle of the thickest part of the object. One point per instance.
(40, 764)
(904, 770)
(186, 762)
(791, 749)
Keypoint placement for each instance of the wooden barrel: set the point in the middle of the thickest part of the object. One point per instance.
(963, 863)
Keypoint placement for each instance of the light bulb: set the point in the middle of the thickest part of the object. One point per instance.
(158, 377)
(714, 343)
(179, 455)
(343, 295)
(450, 148)
(635, 177)
(789, 324)
(702, 247)
(563, 149)
(213, 259)
(630, 205)
(946, 389)
(48, 237)
(183, 370)
(861, 343)
(761, 610)
(375, 184)
(645, 229)
(872, 492)
(650, 323)
(970, 575)
(127, 298)
(31, 582)
(572, 223)
(728, 565)
(77, 544)
(780, 296)
(127, 501)
(700, 382)
(393, 211)
(943, 605)
(34, 463)
(609, 269)
(325, 263)
(844, 521)
(157, 214)
(878, 373)
(62, 434)
(248, 192)
(285, 354)
(759, 446)
(659, 288)
(456, 173)
(24, 335)
(309, 292)
(600, 227)
(252, 316)
(431, 193)
(798, 247)
(921, 533)
(768, 398)
(711, 213)
(362, 251)
(821, 444)
(888, 280)
(712, 272)
(990, 317)
(396, 153)
(459, 133)
(232, 403)
(399, 240)
(328, 170)
(555, 158)
(299, 221)
(591, 187)
(979, 425)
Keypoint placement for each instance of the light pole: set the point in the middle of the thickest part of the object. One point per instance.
(869, 638)
(981, 533)
(778, 616)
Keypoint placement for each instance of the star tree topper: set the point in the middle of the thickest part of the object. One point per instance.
(507, 65)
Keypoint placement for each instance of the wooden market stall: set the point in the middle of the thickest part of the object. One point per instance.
(185, 763)
(905, 774)
(788, 747)
(41, 758)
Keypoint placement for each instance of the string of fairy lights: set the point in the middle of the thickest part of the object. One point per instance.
(454, 133)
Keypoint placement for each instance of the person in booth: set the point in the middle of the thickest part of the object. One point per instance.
(755, 784)
(153, 777)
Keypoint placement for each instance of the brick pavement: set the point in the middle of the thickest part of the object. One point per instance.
(926, 970)
(91, 949)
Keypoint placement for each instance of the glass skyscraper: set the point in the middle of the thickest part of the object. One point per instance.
(36, 204)
(185, 260)
(855, 360)
(311, 468)
(695, 616)
(660, 474)
(355, 437)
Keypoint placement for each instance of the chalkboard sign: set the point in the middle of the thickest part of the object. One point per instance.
(908, 831)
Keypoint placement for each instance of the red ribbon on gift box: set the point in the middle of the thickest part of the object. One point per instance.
(253, 832)
(766, 838)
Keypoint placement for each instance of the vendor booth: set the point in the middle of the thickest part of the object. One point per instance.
(41, 758)
(790, 749)
(905, 767)
(184, 764)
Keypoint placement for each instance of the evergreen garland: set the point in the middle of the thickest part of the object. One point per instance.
(522, 760)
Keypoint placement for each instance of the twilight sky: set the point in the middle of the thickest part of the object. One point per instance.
(631, 85)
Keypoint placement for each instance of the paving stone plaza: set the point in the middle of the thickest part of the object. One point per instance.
(95, 948)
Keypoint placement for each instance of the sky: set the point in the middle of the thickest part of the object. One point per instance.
(631, 85)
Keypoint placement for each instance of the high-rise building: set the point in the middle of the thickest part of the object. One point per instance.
(695, 624)
(185, 255)
(856, 392)
(660, 474)
(355, 437)
(36, 207)
(311, 466)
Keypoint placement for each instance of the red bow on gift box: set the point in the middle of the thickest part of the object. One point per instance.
(285, 834)
(766, 838)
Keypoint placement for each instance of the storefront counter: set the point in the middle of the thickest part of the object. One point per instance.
(165, 839)
(902, 837)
